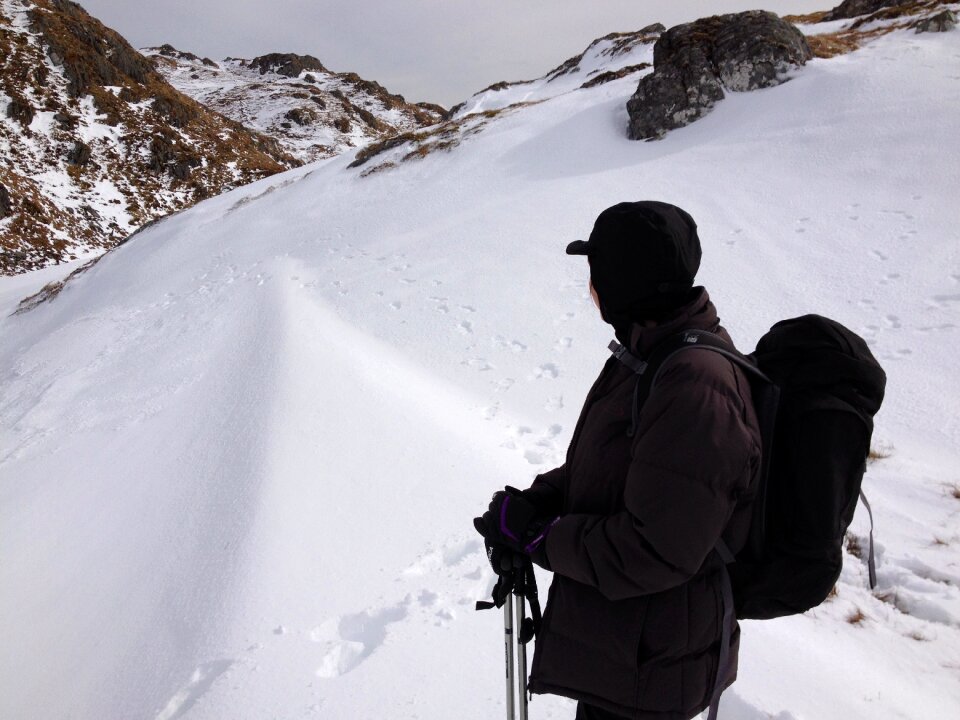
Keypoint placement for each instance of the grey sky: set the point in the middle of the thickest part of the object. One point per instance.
(428, 50)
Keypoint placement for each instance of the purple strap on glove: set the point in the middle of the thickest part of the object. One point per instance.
(503, 520)
(535, 543)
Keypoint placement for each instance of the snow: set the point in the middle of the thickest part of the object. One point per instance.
(601, 56)
(240, 455)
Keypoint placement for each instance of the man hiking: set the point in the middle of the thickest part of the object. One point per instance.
(630, 523)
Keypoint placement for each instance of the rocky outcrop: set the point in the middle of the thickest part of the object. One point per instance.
(695, 63)
(312, 115)
(941, 22)
(855, 8)
(287, 64)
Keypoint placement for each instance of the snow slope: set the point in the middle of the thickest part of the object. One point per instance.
(240, 455)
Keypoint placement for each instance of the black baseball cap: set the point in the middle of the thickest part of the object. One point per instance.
(643, 257)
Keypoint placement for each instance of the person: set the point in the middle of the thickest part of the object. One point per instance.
(630, 522)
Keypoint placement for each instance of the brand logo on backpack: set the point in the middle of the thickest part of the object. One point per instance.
(691, 338)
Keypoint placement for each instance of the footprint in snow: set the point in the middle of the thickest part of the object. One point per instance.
(554, 403)
(351, 639)
(547, 370)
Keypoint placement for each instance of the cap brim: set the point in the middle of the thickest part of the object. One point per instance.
(578, 247)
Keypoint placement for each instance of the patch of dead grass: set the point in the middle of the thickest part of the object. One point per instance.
(856, 617)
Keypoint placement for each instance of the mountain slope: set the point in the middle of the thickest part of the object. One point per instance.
(94, 142)
(312, 112)
(241, 453)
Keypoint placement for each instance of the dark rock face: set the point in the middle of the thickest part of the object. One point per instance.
(286, 64)
(88, 57)
(941, 22)
(6, 204)
(79, 154)
(855, 8)
(20, 110)
(693, 63)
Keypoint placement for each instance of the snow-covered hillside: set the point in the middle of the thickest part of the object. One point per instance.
(314, 113)
(94, 143)
(240, 455)
(609, 58)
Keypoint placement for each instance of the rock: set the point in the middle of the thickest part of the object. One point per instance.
(653, 29)
(309, 78)
(287, 64)
(301, 116)
(941, 22)
(695, 62)
(6, 204)
(855, 8)
(65, 121)
(20, 110)
(79, 154)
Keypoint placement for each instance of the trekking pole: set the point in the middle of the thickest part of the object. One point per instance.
(509, 638)
(520, 589)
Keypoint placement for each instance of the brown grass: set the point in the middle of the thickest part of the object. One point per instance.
(444, 137)
(809, 19)
(830, 45)
(613, 75)
(850, 38)
(856, 617)
(878, 454)
(939, 541)
(853, 546)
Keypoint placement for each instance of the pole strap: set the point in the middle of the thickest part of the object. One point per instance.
(871, 560)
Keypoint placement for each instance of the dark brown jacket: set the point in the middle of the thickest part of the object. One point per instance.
(632, 623)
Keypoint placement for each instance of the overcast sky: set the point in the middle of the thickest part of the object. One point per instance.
(427, 50)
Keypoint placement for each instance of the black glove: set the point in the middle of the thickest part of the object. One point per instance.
(545, 498)
(503, 560)
(514, 523)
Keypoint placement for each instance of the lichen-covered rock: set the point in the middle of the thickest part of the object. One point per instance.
(287, 64)
(941, 22)
(695, 62)
(856, 8)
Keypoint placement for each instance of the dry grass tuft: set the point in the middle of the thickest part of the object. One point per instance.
(853, 546)
(809, 19)
(830, 45)
(444, 136)
(939, 541)
(856, 617)
(878, 454)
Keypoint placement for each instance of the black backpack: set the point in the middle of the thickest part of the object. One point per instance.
(816, 387)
